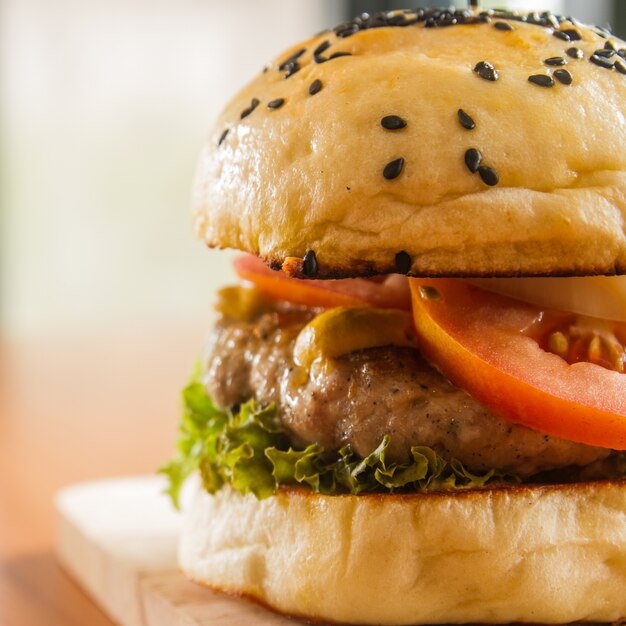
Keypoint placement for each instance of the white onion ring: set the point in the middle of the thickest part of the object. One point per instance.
(602, 297)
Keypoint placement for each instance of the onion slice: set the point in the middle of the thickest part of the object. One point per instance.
(602, 297)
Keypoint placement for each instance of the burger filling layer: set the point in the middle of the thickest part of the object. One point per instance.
(360, 397)
(344, 387)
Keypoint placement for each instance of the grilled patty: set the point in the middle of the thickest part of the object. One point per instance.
(360, 397)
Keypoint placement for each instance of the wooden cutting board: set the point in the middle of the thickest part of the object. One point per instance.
(118, 539)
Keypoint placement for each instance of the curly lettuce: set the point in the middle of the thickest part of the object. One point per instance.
(248, 449)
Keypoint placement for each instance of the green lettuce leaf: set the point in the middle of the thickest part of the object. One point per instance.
(248, 449)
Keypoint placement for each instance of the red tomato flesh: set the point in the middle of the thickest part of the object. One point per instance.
(482, 342)
(392, 292)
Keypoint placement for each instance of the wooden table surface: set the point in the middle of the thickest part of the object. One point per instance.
(74, 409)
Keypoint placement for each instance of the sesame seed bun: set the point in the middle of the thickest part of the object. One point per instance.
(480, 149)
(551, 555)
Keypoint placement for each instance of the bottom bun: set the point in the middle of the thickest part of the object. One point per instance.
(544, 554)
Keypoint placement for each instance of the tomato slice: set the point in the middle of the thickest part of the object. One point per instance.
(392, 292)
(481, 342)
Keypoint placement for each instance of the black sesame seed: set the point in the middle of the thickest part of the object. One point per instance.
(486, 70)
(575, 53)
(392, 122)
(609, 45)
(603, 52)
(473, 159)
(393, 169)
(483, 65)
(466, 120)
(505, 26)
(291, 68)
(348, 31)
(534, 18)
(296, 55)
(543, 80)
(561, 34)
(602, 61)
(253, 105)
(447, 20)
(337, 55)
(276, 104)
(397, 20)
(403, 262)
(309, 267)
(620, 66)
(572, 33)
(223, 137)
(315, 87)
(321, 48)
(552, 20)
(489, 176)
(622, 52)
(555, 61)
(563, 76)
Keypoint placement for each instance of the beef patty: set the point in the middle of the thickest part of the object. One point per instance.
(360, 397)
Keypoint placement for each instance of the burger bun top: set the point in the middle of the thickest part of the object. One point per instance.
(350, 147)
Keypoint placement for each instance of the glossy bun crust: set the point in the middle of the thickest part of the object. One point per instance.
(294, 165)
(550, 555)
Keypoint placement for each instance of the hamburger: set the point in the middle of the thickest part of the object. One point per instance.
(413, 406)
